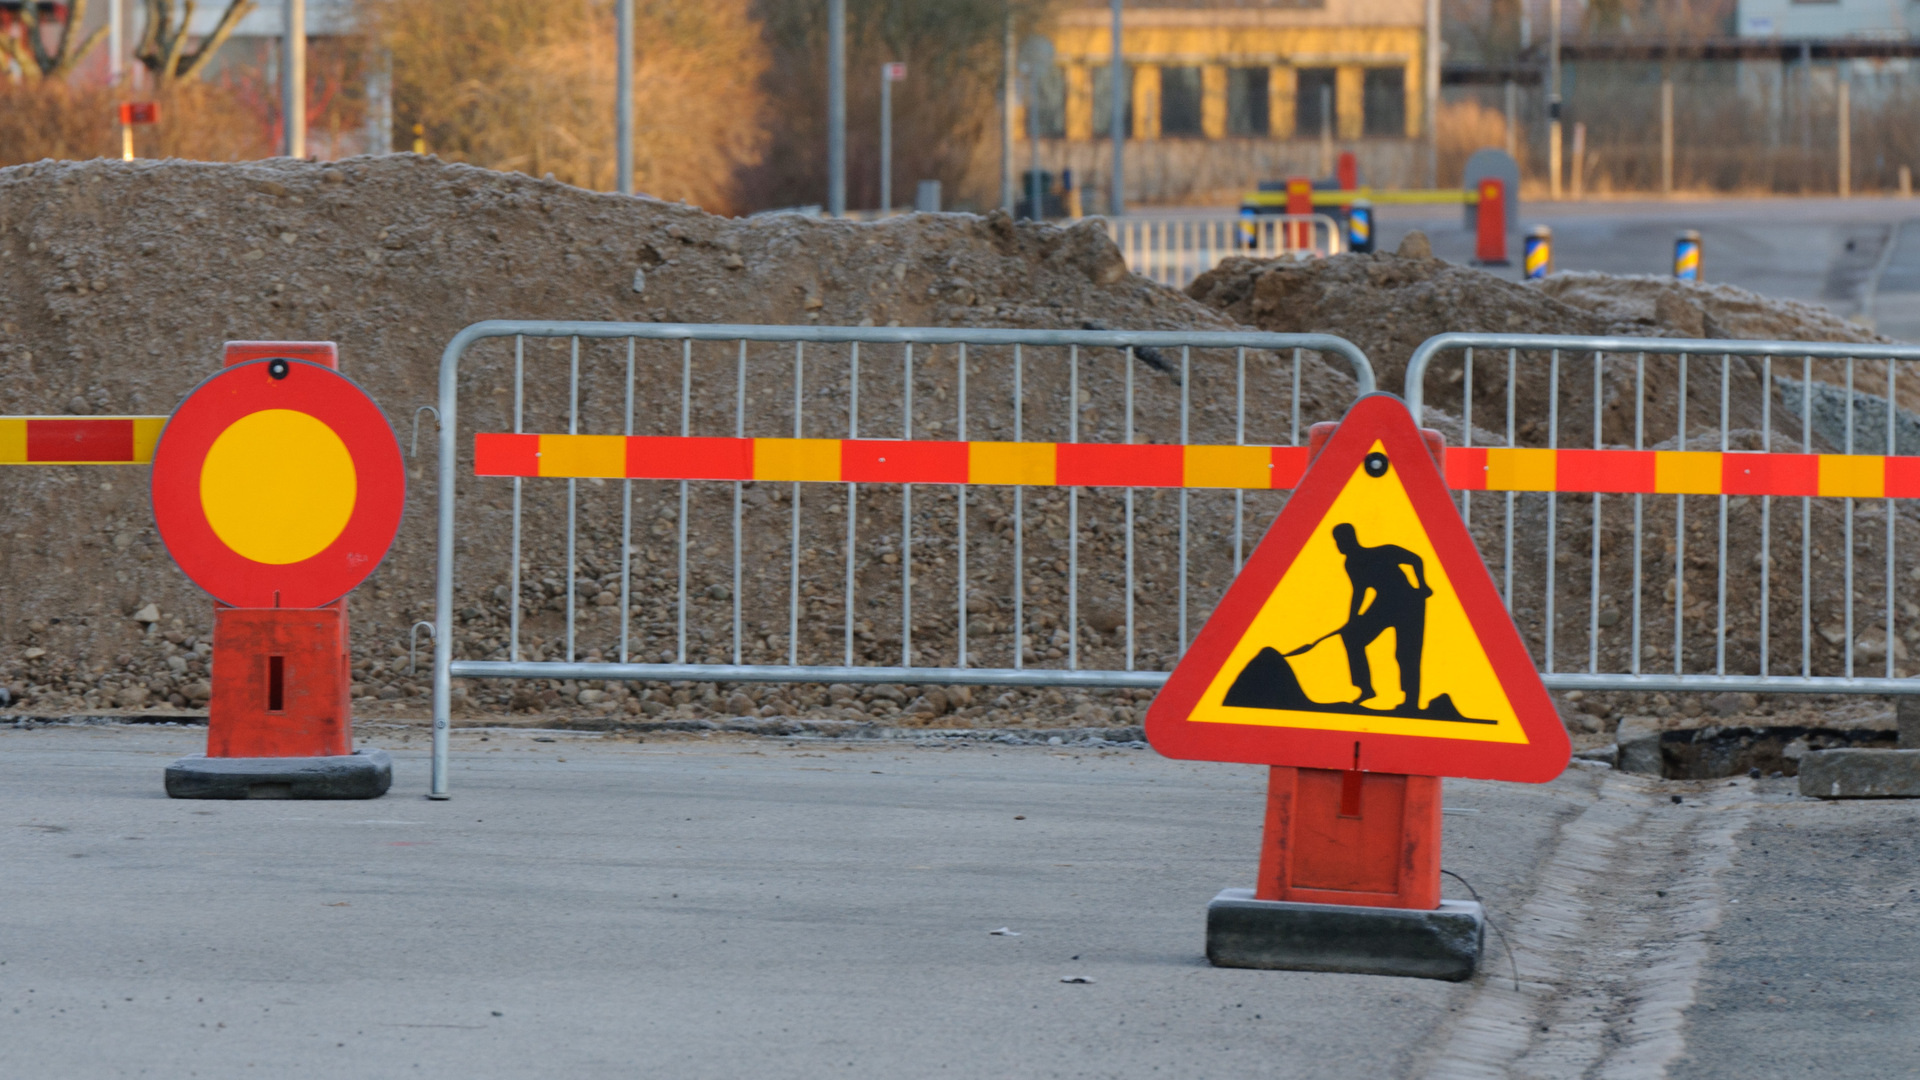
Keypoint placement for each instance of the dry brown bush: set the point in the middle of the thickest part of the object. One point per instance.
(1466, 126)
(51, 118)
(506, 84)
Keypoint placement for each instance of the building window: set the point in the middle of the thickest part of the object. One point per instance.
(1315, 92)
(1180, 102)
(1049, 103)
(1247, 102)
(1384, 100)
(1103, 103)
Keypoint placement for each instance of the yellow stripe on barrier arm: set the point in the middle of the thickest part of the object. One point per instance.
(13, 440)
(1378, 197)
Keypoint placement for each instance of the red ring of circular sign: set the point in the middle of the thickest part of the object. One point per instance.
(237, 392)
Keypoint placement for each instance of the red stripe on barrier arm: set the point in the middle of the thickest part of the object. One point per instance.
(1097, 465)
(670, 457)
(1903, 478)
(1770, 474)
(506, 455)
(1289, 465)
(901, 461)
(1625, 472)
(79, 440)
(1466, 468)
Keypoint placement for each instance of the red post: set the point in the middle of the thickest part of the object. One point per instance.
(1348, 171)
(1299, 203)
(1337, 836)
(1490, 243)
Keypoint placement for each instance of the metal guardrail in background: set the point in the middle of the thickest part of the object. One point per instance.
(725, 618)
(1606, 404)
(1174, 251)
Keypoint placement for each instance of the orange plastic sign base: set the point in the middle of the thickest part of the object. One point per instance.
(1349, 837)
(1364, 633)
(281, 683)
(278, 483)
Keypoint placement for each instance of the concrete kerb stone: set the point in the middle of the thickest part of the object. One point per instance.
(1282, 935)
(1861, 774)
(363, 774)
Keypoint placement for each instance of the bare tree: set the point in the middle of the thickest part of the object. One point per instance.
(30, 51)
(163, 48)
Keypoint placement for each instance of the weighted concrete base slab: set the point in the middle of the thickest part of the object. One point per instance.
(1276, 934)
(363, 774)
(1861, 774)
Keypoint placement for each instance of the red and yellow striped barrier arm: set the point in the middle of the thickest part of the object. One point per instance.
(1677, 472)
(79, 440)
(893, 461)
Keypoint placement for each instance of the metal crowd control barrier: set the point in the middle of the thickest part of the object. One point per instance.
(1174, 251)
(1747, 422)
(720, 395)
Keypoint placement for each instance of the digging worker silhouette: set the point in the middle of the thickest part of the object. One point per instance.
(1398, 604)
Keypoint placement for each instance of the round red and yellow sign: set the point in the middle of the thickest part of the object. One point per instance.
(278, 483)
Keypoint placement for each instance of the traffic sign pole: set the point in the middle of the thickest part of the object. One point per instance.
(1368, 551)
(277, 488)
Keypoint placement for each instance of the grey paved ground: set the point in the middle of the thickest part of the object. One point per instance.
(595, 907)
(1813, 971)
(687, 910)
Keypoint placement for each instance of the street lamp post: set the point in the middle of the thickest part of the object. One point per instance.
(837, 107)
(889, 74)
(293, 79)
(1116, 120)
(623, 110)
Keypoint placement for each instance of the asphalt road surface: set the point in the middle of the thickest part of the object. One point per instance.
(597, 907)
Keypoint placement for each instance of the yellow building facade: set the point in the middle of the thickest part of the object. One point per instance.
(1223, 96)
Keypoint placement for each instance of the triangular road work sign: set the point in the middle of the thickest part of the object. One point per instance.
(1364, 633)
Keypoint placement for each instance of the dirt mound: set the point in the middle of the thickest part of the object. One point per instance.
(124, 279)
(1646, 304)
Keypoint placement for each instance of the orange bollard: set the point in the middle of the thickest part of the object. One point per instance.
(1490, 242)
(1299, 204)
(1350, 837)
(282, 682)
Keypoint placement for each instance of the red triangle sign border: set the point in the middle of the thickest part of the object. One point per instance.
(1381, 418)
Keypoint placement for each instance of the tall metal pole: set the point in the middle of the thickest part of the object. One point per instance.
(116, 40)
(837, 107)
(1433, 93)
(1006, 119)
(293, 78)
(623, 96)
(1036, 192)
(886, 139)
(1553, 100)
(1117, 120)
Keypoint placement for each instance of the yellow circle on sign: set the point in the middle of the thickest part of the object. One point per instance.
(277, 486)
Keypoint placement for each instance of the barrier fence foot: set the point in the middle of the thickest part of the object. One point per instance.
(363, 774)
(1444, 943)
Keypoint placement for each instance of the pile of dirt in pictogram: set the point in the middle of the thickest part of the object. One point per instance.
(125, 278)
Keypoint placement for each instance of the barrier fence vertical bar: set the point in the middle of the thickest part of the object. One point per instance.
(1466, 427)
(1127, 359)
(686, 429)
(793, 545)
(853, 490)
(1766, 516)
(1890, 508)
(1295, 438)
(1680, 536)
(1507, 551)
(626, 523)
(906, 515)
(519, 388)
(1553, 506)
(1720, 595)
(1186, 380)
(1639, 502)
(1239, 439)
(1593, 563)
(1806, 523)
(1073, 514)
(739, 488)
(573, 489)
(1019, 519)
(1847, 522)
(960, 514)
